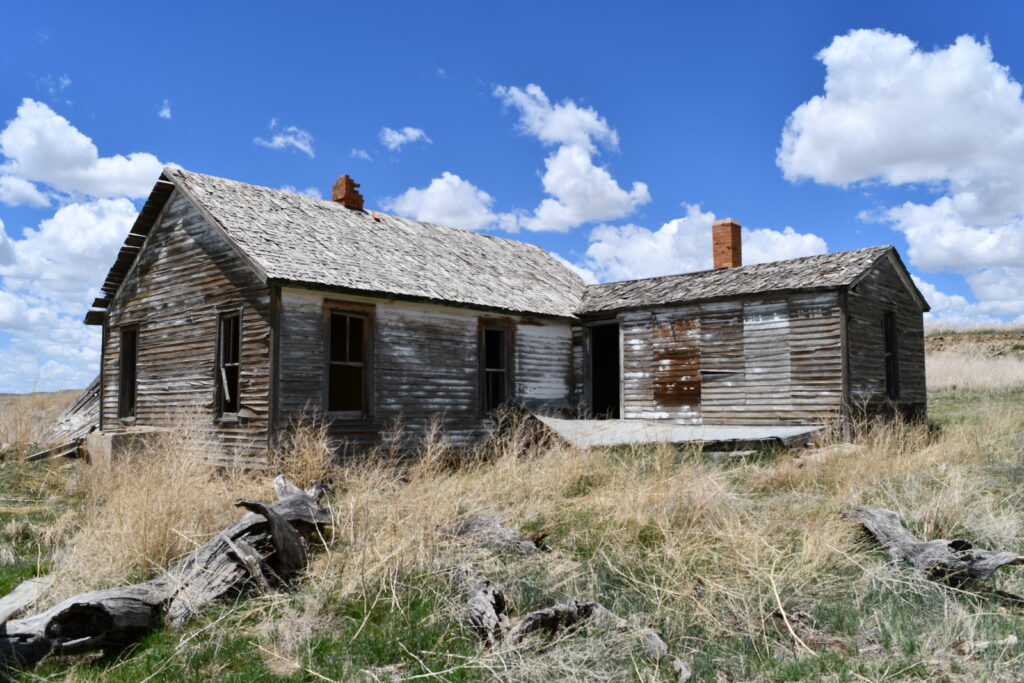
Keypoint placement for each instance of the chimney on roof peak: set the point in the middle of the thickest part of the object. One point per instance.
(345, 193)
(728, 245)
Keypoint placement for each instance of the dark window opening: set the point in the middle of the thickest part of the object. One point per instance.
(346, 381)
(604, 371)
(892, 357)
(495, 367)
(128, 380)
(229, 353)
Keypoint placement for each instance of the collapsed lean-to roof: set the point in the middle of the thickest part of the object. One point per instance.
(297, 240)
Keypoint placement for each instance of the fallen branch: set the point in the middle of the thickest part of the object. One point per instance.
(261, 548)
(954, 561)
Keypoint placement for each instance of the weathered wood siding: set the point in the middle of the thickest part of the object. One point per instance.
(881, 290)
(425, 366)
(768, 360)
(543, 365)
(579, 373)
(184, 276)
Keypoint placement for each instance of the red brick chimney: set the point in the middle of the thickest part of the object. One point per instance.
(728, 245)
(344, 192)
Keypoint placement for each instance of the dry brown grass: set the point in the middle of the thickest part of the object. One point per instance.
(140, 512)
(694, 544)
(967, 369)
(709, 553)
(25, 418)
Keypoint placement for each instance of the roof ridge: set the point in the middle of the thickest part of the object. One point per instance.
(299, 239)
(879, 247)
(306, 197)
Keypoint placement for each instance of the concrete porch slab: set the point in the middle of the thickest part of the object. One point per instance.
(587, 433)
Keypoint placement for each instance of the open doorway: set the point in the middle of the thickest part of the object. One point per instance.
(604, 371)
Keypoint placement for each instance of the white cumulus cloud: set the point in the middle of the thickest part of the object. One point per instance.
(51, 271)
(288, 136)
(950, 119)
(42, 146)
(15, 191)
(683, 245)
(360, 154)
(448, 200)
(579, 190)
(394, 139)
(165, 110)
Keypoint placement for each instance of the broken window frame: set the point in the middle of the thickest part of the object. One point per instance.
(890, 341)
(128, 391)
(365, 313)
(504, 328)
(221, 380)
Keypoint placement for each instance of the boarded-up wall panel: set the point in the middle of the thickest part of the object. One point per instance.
(661, 365)
(774, 360)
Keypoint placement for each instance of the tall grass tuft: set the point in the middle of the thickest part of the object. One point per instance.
(141, 511)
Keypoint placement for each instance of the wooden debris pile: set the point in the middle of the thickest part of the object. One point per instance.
(264, 548)
(487, 610)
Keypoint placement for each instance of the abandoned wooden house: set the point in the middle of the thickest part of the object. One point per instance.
(251, 305)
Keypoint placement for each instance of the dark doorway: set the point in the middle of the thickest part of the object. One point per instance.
(604, 371)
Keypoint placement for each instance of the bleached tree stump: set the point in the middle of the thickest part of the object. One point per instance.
(265, 547)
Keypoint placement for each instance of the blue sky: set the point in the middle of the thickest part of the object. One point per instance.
(611, 134)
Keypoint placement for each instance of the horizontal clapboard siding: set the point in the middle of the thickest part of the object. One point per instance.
(760, 360)
(185, 275)
(425, 367)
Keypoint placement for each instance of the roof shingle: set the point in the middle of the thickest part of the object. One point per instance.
(298, 239)
(310, 242)
(827, 271)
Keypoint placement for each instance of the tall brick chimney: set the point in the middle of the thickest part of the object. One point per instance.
(728, 245)
(345, 193)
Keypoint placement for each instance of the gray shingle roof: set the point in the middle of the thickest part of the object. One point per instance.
(827, 271)
(305, 241)
(298, 239)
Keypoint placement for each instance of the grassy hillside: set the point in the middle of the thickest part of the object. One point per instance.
(745, 567)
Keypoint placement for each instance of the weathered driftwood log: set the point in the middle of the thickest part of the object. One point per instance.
(263, 547)
(955, 561)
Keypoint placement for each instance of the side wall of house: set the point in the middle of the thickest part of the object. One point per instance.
(882, 290)
(765, 360)
(425, 366)
(184, 276)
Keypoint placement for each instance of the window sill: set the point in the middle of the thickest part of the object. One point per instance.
(228, 418)
(346, 415)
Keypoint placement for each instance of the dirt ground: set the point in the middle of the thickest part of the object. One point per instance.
(992, 344)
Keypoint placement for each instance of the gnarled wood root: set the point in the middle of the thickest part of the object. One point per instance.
(954, 561)
(264, 546)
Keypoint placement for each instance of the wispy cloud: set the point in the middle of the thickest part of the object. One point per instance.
(394, 139)
(165, 110)
(289, 136)
(360, 154)
(309, 191)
